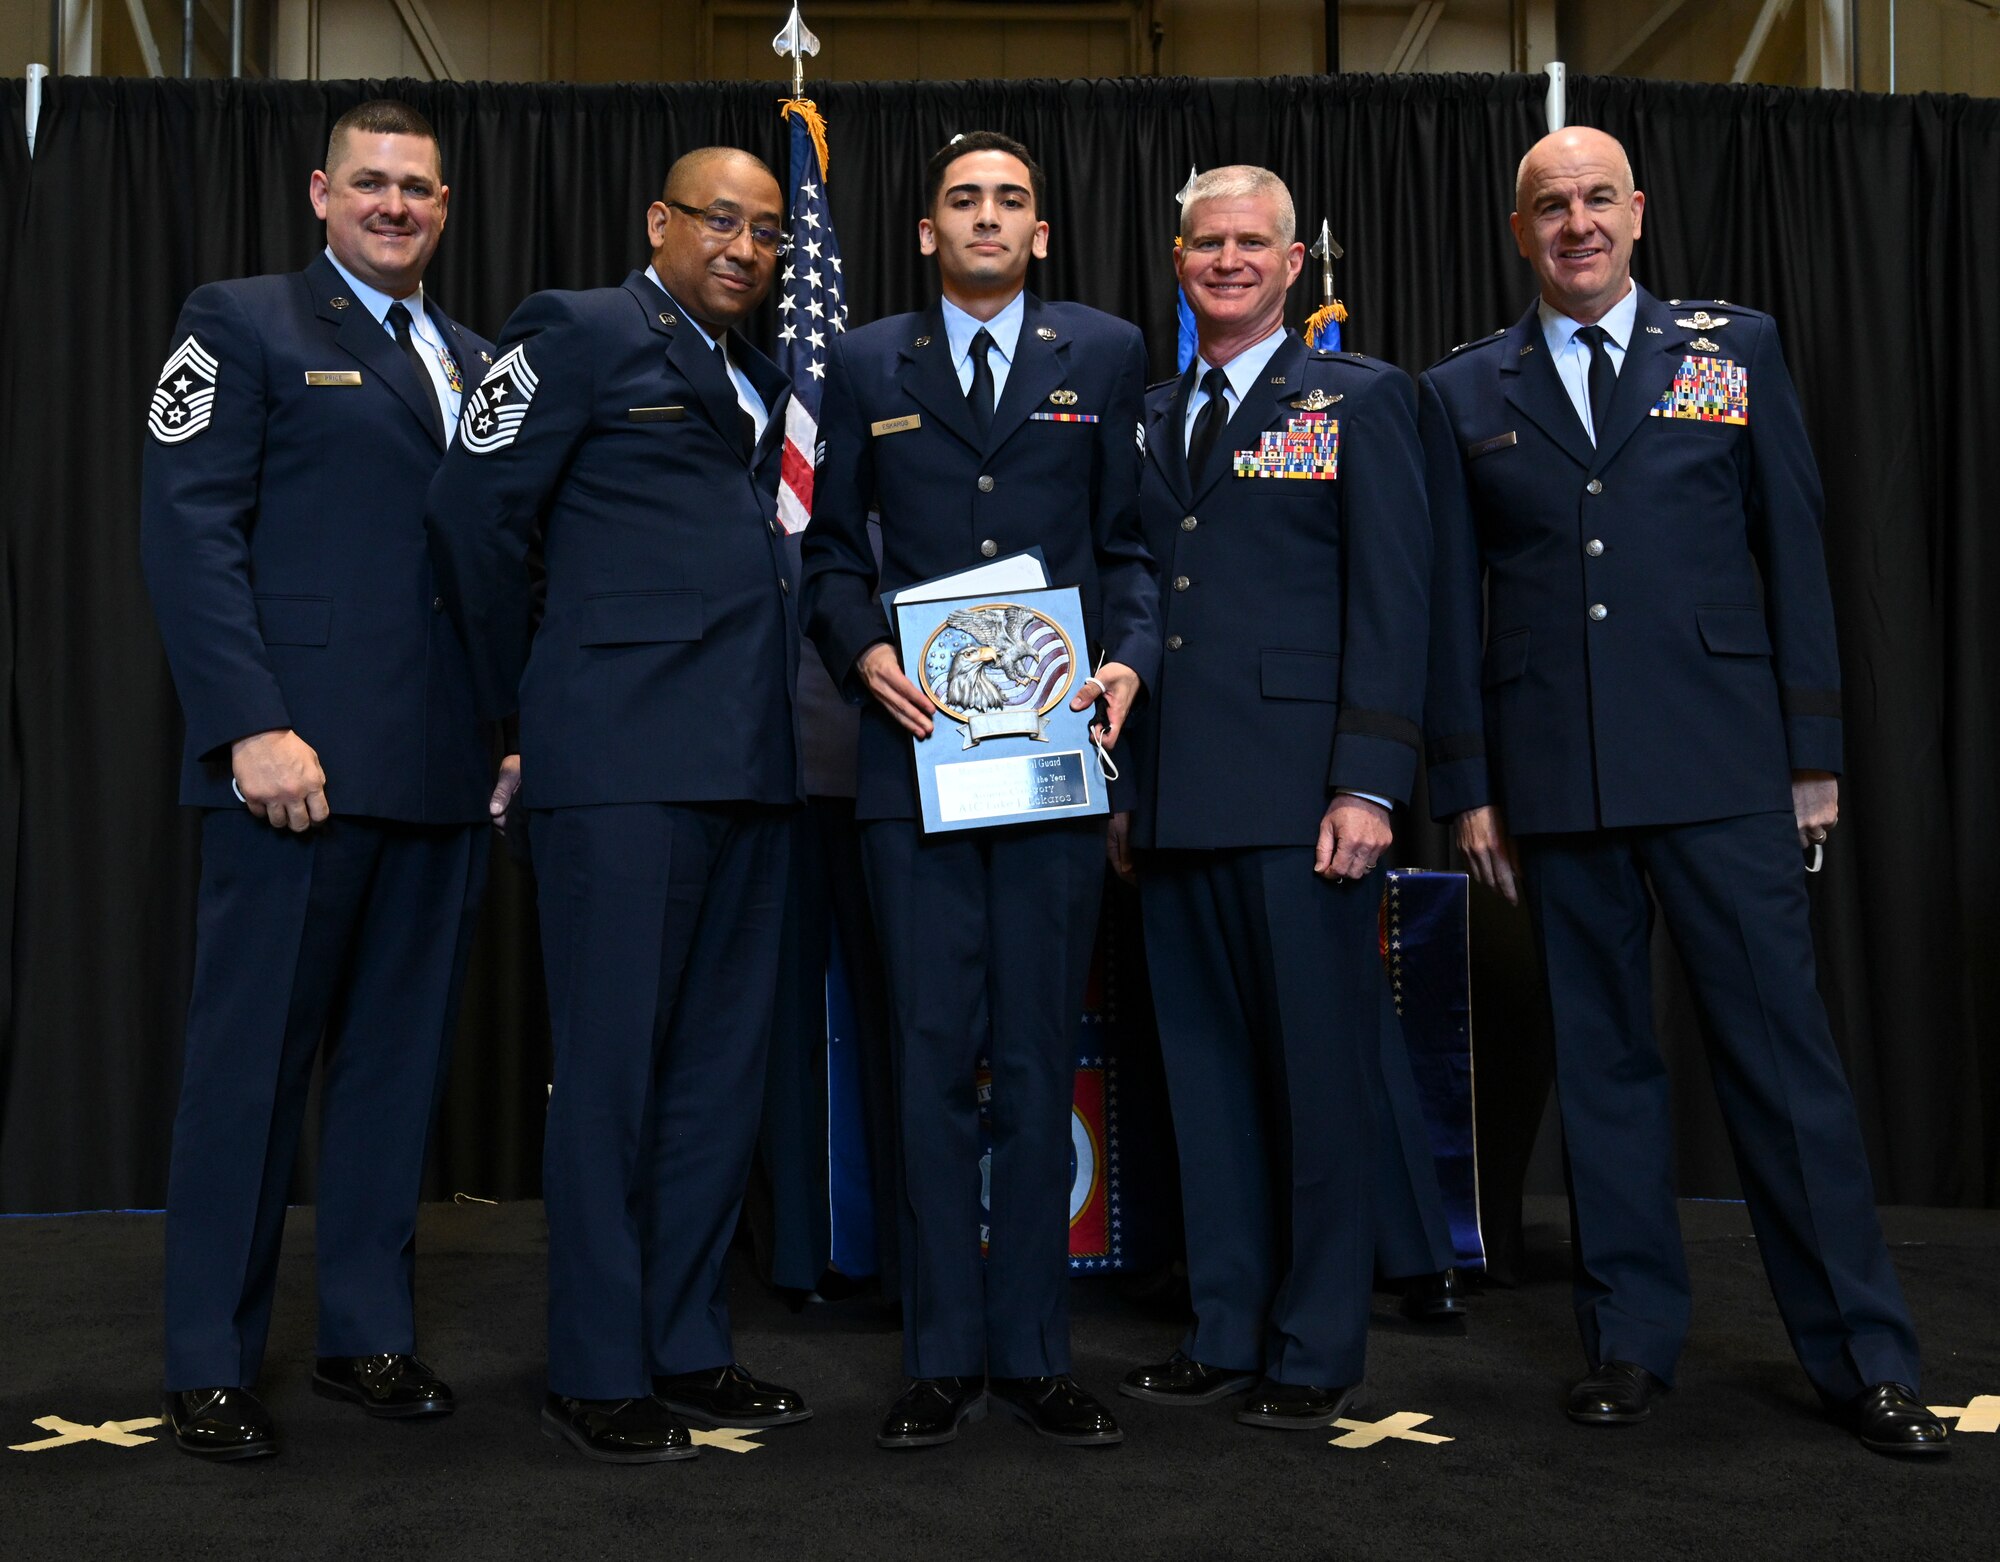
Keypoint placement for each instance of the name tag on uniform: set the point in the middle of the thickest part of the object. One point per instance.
(333, 376)
(655, 414)
(895, 425)
(1486, 447)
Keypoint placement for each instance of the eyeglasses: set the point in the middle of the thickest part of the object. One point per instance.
(723, 225)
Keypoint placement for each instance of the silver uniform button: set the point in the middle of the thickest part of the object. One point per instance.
(784, 585)
(1175, 642)
(1189, 523)
(1181, 583)
(437, 604)
(1593, 487)
(989, 547)
(1593, 547)
(1599, 612)
(986, 482)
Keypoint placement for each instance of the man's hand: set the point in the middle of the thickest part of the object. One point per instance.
(882, 671)
(1121, 687)
(1489, 851)
(279, 778)
(1118, 846)
(1352, 838)
(504, 787)
(1815, 804)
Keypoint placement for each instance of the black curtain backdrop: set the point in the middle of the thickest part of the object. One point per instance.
(1866, 224)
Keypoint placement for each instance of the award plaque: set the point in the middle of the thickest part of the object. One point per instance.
(1005, 748)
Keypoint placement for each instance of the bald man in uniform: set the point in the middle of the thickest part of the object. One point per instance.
(1634, 711)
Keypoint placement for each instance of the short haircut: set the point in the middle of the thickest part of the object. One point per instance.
(380, 117)
(690, 165)
(978, 141)
(1236, 181)
(1521, 168)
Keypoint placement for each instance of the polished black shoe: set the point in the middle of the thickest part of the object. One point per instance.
(1618, 1393)
(394, 1385)
(1060, 1409)
(1435, 1299)
(219, 1423)
(729, 1396)
(1296, 1407)
(1180, 1380)
(1890, 1419)
(930, 1411)
(618, 1431)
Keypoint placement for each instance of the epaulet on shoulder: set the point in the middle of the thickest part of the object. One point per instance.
(1359, 360)
(1476, 342)
(1715, 303)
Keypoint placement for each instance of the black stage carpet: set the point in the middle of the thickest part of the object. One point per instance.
(1739, 1462)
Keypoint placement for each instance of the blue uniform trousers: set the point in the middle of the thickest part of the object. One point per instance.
(1733, 893)
(986, 937)
(1268, 984)
(660, 932)
(348, 942)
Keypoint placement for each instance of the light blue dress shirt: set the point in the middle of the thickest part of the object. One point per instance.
(1243, 371)
(1572, 358)
(430, 338)
(1005, 329)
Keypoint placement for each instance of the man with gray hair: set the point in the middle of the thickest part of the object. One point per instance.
(1282, 494)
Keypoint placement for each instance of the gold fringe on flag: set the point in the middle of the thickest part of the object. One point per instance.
(815, 124)
(1320, 316)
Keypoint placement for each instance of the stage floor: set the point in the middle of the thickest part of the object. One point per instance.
(1461, 1451)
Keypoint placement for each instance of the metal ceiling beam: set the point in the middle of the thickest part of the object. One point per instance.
(1416, 34)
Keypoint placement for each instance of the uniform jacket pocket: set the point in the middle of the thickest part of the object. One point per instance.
(639, 617)
(1506, 658)
(295, 620)
(1733, 631)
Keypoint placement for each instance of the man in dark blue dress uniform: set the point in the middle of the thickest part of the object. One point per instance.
(333, 746)
(629, 438)
(946, 420)
(1282, 494)
(1635, 710)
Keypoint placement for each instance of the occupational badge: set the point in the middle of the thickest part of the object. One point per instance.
(184, 399)
(1046, 333)
(1062, 398)
(1702, 320)
(1315, 400)
(493, 414)
(1702, 344)
(1707, 390)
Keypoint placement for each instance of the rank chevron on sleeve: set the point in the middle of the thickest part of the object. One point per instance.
(492, 417)
(184, 399)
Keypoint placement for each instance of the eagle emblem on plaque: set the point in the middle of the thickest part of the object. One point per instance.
(998, 669)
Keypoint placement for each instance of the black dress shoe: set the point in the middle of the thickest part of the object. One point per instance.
(1296, 1407)
(392, 1385)
(1180, 1380)
(1618, 1393)
(219, 1423)
(729, 1396)
(617, 1431)
(1060, 1409)
(1890, 1419)
(930, 1411)
(1435, 1299)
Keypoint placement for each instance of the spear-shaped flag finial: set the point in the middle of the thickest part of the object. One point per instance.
(1323, 326)
(796, 40)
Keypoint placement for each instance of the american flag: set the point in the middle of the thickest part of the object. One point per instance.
(812, 308)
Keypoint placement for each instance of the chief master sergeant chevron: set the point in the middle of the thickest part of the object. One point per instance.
(342, 774)
(1645, 711)
(633, 437)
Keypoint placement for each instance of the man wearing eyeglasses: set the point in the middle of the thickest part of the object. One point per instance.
(629, 439)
